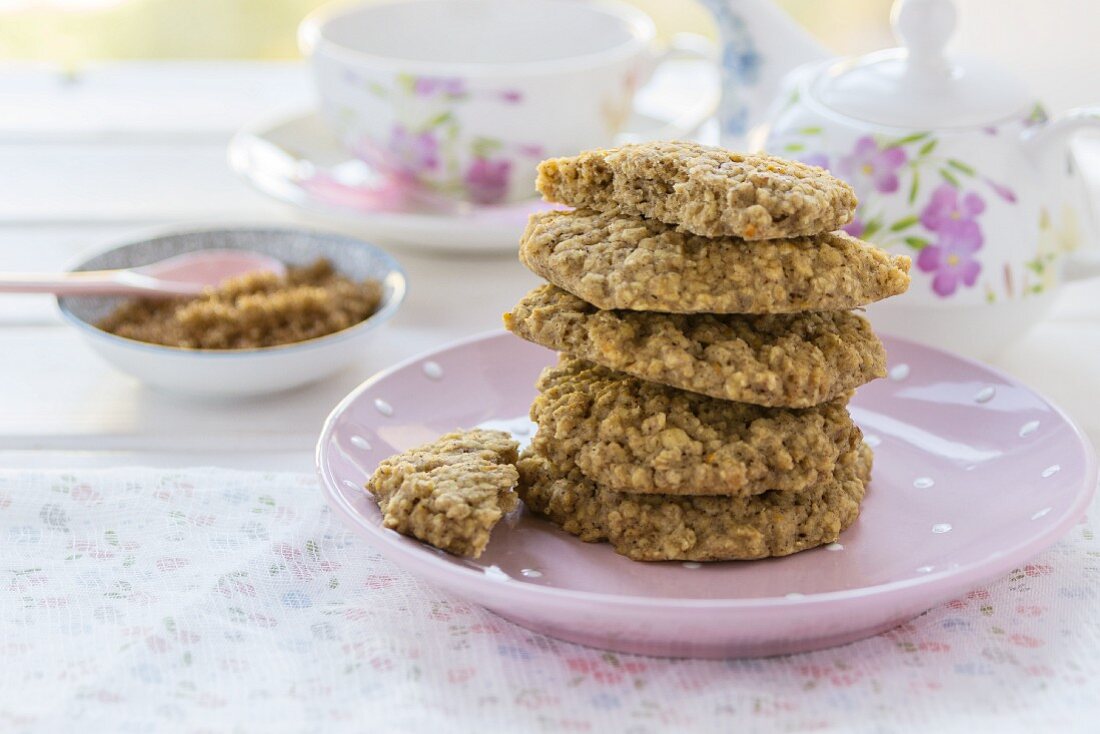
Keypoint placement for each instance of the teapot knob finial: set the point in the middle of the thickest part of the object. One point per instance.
(924, 27)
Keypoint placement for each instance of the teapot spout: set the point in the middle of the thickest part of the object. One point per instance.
(760, 44)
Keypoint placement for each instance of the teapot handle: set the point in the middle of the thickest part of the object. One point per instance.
(1047, 140)
(1059, 130)
(1081, 266)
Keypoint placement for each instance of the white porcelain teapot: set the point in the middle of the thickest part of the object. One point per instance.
(953, 161)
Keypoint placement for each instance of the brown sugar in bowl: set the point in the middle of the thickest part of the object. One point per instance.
(246, 370)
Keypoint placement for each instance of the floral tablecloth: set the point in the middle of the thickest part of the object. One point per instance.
(207, 600)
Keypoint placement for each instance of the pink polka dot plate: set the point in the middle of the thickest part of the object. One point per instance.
(974, 474)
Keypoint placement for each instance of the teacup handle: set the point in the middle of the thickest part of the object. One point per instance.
(684, 46)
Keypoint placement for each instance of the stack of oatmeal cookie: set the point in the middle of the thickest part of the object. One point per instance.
(701, 300)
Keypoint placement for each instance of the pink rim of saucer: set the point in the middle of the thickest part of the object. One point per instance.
(893, 602)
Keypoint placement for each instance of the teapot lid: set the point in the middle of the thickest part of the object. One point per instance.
(919, 85)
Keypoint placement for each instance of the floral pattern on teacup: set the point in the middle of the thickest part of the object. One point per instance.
(427, 154)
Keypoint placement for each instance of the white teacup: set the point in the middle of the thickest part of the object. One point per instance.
(464, 97)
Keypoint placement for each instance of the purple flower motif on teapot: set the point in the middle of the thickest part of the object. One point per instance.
(953, 219)
(915, 197)
(870, 167)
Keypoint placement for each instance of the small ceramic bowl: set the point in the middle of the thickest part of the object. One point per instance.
(243, 372)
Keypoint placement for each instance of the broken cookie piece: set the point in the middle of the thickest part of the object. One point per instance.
(449, 493)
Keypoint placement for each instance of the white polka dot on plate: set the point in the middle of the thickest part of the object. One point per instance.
(900, 372)
(985, 394)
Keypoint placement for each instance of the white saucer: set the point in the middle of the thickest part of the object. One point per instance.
(286, 158)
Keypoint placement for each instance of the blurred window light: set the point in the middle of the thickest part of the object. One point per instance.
(77, 31)
(62, 5)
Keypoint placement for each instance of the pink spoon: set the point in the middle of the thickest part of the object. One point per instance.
(183, 275)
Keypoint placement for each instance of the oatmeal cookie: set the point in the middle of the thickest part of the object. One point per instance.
(613, 261)
(789, 360)
(704, 190)
(449, 493)
(677, 528)
(630, 435)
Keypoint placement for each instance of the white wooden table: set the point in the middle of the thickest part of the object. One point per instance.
(119, 151)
